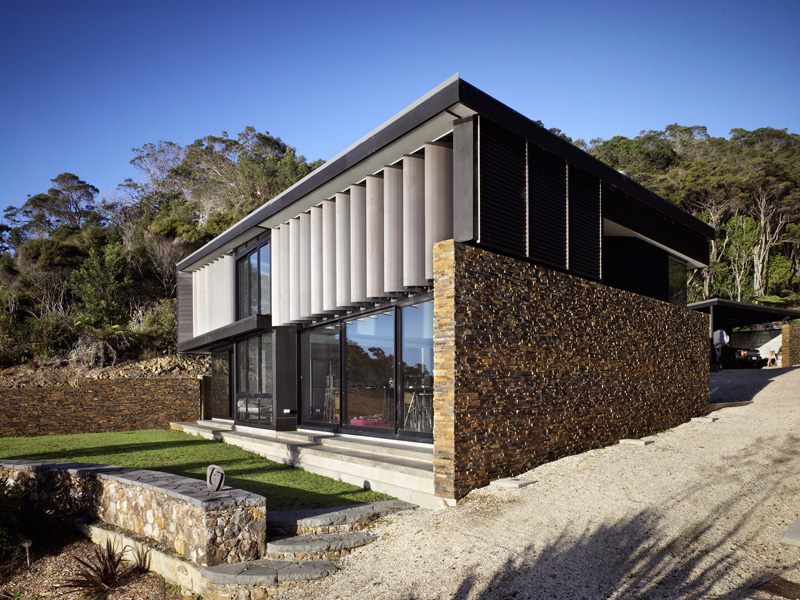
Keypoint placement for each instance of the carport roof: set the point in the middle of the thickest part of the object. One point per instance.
(727, 314)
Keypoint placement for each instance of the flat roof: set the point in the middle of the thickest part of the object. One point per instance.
(455, 98)
(728, 314)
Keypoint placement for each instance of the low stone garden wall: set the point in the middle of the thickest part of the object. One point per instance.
(206, 528)
(92, 406)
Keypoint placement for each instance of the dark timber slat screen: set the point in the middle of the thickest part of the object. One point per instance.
(584, 224)
(502, 189)
(547, 176)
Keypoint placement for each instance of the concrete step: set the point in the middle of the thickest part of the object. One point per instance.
(205, 429)
(337, 519)
(326, 546)
(407, 480)
(269, 447)
(417, 452)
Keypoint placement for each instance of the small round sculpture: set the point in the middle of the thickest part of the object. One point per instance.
(215, 478)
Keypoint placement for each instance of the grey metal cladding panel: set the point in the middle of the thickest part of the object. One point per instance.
(503, 210)
(185, 316)
(547, 177)
(584, 223)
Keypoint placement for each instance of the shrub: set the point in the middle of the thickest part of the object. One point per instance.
(97, 574)
(10, 511)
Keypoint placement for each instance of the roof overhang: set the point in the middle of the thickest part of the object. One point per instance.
(727, 314)
(428, 119)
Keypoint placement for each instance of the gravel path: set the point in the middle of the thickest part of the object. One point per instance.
(697, 514)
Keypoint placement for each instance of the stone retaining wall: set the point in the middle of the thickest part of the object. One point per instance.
(532, 365)
(178, 512)
(790, 354)
(98, 405)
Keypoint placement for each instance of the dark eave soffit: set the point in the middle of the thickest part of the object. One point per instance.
(453, 91)
(226, 333)
(729, 313)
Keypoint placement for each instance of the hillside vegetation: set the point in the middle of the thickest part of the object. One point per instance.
(91, 281)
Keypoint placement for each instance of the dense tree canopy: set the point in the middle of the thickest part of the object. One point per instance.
(746, 186)
(97, 278)
(90, 277)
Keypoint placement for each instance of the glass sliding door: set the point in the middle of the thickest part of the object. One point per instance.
(369, 371)
(254, 380)
(320, 375)
(416, 399)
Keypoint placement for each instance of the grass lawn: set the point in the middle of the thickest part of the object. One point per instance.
(284, 487)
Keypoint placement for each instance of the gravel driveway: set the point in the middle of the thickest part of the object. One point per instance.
(697, 514)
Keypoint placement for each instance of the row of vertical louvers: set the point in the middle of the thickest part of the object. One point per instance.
(533, 204)
(367, 243)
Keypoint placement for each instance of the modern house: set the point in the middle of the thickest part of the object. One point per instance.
(458, 296)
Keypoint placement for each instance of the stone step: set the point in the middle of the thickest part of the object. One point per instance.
(340, 519)
(328, 546)
(266, 573)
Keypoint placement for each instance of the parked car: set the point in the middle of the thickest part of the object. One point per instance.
(742, 358)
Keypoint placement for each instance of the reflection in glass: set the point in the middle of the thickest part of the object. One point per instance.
(369, 373)
(417, 366)
(264, 266)
(320, 393)
(253, 304)
(242, 293)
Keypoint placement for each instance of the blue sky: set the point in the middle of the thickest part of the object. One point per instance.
(85, 82)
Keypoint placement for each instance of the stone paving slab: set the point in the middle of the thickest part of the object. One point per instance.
(511, 483)
(636, 442)
(792, 535)
(704, 419)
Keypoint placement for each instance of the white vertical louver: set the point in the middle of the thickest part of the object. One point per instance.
(393, 229)
(358, 243)
(305, 265)
(414, 221)
(328, 255)
(213, 295)
(438, 199)
(276, 267)
(294, 270)
(285, 298)
(342, 250)
(315, 260)
(375, 236)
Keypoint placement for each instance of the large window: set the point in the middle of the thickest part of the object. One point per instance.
(371, 372)
(254, 380)
(253, 282)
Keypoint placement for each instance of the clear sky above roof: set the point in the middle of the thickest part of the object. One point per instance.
(84, 82)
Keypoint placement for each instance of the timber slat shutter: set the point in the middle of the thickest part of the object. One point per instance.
(547, 176)
(584, 224)
(503, 202)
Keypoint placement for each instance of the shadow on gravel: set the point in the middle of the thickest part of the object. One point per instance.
(741, 385)
(637, 558)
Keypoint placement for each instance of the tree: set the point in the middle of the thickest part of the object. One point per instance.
(742, 233)
(69, 205)
(101, 286)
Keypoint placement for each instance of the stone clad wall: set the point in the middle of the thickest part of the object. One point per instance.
(178, 512)
(98, 405)
(790, 354)
(532, 365)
